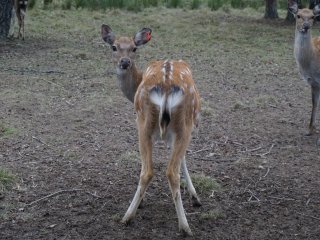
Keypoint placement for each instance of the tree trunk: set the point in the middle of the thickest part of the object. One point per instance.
(290, 17)
(271, 9)
(5, 18)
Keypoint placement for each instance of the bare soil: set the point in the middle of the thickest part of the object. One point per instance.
(75, 135)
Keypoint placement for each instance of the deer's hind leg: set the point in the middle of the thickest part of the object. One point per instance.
(145, 145)
(179, 147)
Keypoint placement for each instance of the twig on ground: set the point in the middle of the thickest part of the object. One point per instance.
(253, 150)
(284, 199)
(266, 153)
(39, 140)
(201, 150)
(193, 213)
(252, 196)
(61, 192)
(308, 216)
(268, 170)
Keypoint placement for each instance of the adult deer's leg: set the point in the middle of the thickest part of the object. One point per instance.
(315, 91)
(180, 144)
(195, 199)
(145, 144)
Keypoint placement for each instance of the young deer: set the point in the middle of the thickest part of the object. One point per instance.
(167, 105)
(307, 54)
(19, 9)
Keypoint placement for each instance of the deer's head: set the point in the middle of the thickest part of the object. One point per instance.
(124, 48)
(304, 17)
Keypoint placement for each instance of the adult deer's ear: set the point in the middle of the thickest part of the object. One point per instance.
(316, 10)
(142, 37)
(107, 35)
(293, 7)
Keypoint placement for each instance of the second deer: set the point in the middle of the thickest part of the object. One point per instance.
(167, 104)
(307, 54)
(19, 10)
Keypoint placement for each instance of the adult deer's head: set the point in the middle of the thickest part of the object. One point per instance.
(124, 48)
(304, 17)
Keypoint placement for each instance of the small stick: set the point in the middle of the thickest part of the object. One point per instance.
(264, 154)
(201, 150)
(39, 140)
(285, 199)
(253, 150)
(309, 216)
(268, 170)
(60, 192)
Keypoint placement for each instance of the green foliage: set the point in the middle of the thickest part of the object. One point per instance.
(215, 4)
(174, 3)
(67, 4)
(195, 4)
(31, 3)
(139, 5)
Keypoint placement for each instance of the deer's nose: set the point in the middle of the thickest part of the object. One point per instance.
(306, 25)
(125, 63)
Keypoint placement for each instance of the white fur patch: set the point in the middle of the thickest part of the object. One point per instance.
(173, 100)
(157, 98)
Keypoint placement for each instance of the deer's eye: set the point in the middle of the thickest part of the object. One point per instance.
(114, 48)
(312, 17)
(298, 16)
(134, 49)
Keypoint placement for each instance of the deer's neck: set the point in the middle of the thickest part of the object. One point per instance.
(129, 81)
(303, 48)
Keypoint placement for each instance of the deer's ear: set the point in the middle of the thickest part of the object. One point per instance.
(107, 35)
(142, 37)
(293, 7)
(316, 10)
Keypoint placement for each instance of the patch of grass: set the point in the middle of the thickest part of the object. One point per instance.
(211, 215)
(206, 110)
(240, 105)
(6, 131)
(205, 184)
(116, 217)
(130, 156)
(6, 179)
(265, 101)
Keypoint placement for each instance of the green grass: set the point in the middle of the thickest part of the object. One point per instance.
(130, 156)
(211, 215)
(205, 184)
(6, 131)
(6, 179)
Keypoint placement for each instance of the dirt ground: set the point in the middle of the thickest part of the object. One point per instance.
(75, 135)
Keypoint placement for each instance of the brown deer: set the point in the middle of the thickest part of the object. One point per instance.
(167, 105)
(19, 9)
(307, 53)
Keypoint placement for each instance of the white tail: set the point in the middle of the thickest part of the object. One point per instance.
(167, 105)
(307, 54)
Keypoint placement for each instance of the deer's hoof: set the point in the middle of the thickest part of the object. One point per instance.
(185, 231)
(196, 202)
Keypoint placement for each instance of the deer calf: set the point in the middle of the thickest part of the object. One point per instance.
(307, 54)
(19, 9)
(167, 104)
